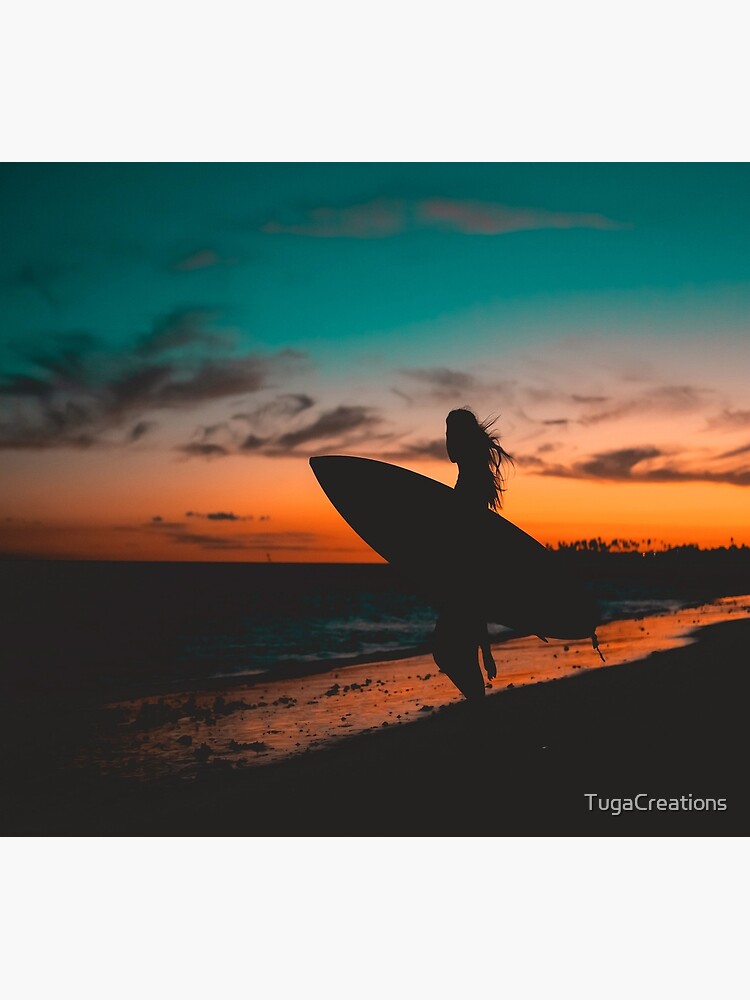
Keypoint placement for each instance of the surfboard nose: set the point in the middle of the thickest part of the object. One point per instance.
(329, 471)
(348, 481)
(320, 463)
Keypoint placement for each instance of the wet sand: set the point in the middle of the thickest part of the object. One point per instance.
(666, 717)
(252, 725)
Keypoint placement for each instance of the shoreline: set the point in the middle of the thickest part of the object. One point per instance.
(249, 725)
(670, 722)
(106, 637)
(299, 670)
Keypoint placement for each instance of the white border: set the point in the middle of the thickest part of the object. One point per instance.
(398, 80)
(374, 918)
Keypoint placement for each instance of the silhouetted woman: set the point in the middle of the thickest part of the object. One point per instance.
(460, 632)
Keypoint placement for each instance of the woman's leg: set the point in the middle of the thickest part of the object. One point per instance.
(456, 653)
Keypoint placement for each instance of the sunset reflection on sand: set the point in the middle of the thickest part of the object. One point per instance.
(248, 725)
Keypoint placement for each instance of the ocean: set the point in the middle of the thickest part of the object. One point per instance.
(115, 629)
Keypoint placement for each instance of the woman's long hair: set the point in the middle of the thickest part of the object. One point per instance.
(480, 453)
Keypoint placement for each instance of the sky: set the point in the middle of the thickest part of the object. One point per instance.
(178, 339)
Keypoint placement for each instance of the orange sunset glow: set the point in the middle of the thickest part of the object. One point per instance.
(550, 509)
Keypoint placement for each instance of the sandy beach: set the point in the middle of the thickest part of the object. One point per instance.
(262, 723)
(391, 748)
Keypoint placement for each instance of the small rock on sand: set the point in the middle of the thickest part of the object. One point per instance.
(257, 745)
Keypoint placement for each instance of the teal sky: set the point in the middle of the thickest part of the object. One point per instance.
(98, 248)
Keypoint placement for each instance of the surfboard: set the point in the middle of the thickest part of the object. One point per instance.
(455, 558)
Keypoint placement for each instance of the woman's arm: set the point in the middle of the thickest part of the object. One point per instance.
(489, 663)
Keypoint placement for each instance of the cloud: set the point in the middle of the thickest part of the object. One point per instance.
(40, 420)
(622, 465)
(135, 389)
(258, 540)
(184, 328)
(450, 386)
(65, 355)
(140, 429)
(15, 384)
(530, 461)
(743, 450)
(253, 443)
(543, 394)
(382, 217)
(330, 424)
(408, 399)
(492, 219)
(675, 398)
(730, 419)
(338, 427)
(41, 279)
(181, 384)
(281, 408)
(202, 259)
(206, 541)
(434, 449)
(220, 515)
(618, 464)
(733, 477)
(212, 380)
(203, 449)
(589, 399)
(443, 382)
(72, 390)
(664, 399)
(371, 220)
(263, 541)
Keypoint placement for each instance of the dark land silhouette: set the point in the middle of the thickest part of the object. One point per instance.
(688, 569)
